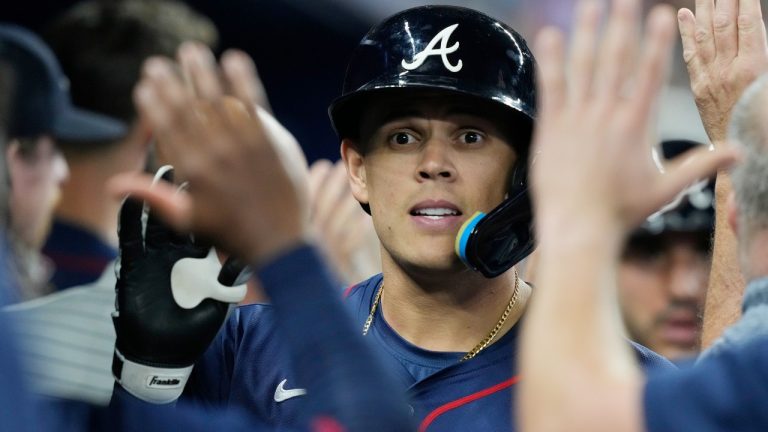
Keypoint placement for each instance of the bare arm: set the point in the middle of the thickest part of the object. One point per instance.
(724, 49)
(593, 179)
(726, 283)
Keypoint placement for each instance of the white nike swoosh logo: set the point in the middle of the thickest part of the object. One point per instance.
(281, 394)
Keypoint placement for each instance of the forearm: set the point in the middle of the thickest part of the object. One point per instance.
(722, 307)
(576, 283)
(344, 379)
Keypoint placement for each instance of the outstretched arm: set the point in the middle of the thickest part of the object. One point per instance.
(242, 196)
(724, 48)
(593, 180)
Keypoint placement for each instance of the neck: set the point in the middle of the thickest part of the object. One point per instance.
(449, 311)
(755, 257)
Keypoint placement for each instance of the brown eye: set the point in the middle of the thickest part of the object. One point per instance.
(402, 138)
(471, 137)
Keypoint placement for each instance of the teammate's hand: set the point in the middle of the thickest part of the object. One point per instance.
(161, 329)
(592, 142)
(244, 192)
(345, 232)
(724, 47)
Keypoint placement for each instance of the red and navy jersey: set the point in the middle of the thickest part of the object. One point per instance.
(248, 367)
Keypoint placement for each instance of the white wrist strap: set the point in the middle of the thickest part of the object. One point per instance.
(150, 384)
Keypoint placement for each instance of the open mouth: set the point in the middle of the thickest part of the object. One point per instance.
(435, 210)
(435, 213)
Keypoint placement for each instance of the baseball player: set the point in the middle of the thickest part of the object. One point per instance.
(665, 267)
(435, 120)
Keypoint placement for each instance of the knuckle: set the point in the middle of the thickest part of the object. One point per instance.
(746, 23)
(699, 88)
(721, 22)
(688, 55)
(701, 35)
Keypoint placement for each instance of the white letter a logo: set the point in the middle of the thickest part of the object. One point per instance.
(443, 51)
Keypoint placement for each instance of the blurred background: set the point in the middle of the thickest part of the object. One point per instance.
(301, 48)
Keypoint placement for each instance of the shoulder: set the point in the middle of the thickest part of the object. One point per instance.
(728, 392)
(650, 360)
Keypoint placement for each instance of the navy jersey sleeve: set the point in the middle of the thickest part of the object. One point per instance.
(725, 393)
(346, 384)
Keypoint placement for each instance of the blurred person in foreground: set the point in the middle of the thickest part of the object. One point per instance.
(725, 49)
(101, 46)
(665, 268)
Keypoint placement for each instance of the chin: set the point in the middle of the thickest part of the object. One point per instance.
(435, 263)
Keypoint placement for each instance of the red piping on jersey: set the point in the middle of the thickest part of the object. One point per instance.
(348, 291)
(326, 424)
(465, 400)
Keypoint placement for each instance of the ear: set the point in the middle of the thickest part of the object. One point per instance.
(353, 160)
(13, 160)
(732, 210)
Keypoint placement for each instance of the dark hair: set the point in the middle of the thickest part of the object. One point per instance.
(101, 46)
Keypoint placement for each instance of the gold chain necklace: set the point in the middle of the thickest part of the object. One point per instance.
(483, 343)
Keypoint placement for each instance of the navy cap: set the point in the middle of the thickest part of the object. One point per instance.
(40, 102)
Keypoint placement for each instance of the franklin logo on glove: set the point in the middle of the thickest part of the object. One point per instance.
(165, 382)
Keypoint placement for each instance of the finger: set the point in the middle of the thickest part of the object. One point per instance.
(129, 230)
(550, 53)
(345, 216)
(317, 175)
(686, 22)
(167, 106)
(200, 65)
(618, 50)
(335, 189)
(751, 29)
(705, 44)
(692, 166)
(243, 79)
(158, 235)
(724, 30)
(655, 60)
(582, 57)
(174, 208)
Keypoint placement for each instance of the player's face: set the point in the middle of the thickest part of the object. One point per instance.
(430, 162)
(663, 281)
(36, 177)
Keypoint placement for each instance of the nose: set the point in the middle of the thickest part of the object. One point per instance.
(688, 274)
(435, 162)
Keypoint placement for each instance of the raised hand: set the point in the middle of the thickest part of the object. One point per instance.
(593, 140)
(345, 232)
(724, 47)
(163, 326)
(245, 190)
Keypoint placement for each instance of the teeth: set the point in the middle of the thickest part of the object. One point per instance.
(434, 213)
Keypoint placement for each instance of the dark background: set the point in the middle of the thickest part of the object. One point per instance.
(300, 50)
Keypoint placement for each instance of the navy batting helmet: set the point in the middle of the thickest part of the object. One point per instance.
(691, 212)
(461, 51)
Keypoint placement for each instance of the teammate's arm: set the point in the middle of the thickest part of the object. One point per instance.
(594, 180)
(724, 49)
(242, 196)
